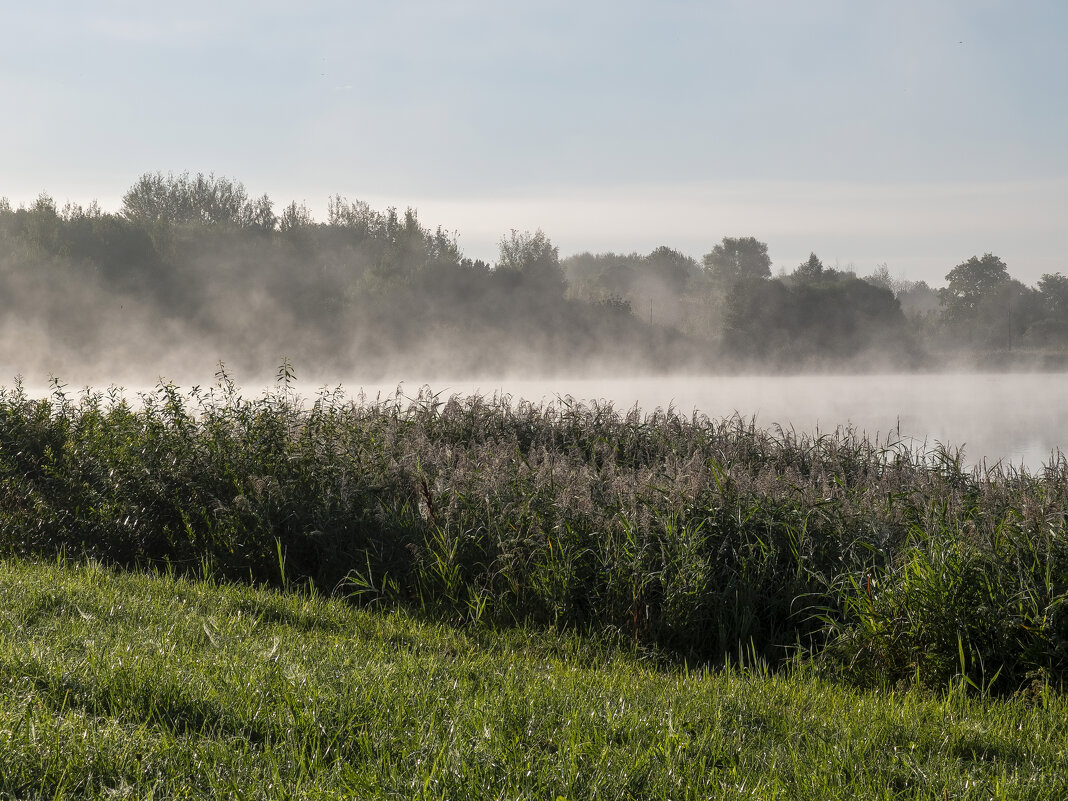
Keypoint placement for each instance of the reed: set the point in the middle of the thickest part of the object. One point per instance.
(695, 536)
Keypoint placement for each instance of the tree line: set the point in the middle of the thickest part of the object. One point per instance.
(194, 264)
(830, 315)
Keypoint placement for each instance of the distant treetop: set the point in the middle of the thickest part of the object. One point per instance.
(738, 258)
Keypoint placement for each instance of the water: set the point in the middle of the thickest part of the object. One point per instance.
(1018, 418)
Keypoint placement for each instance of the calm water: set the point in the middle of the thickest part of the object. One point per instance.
(1018, 418)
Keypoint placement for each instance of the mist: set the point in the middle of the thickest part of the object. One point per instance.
(193, 275)
(193, 272)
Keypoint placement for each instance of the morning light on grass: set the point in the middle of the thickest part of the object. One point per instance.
(121, 684)
(534, 401)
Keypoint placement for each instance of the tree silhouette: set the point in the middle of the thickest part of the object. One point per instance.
(738, 258)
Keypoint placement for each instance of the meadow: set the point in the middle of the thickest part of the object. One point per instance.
(120, 684)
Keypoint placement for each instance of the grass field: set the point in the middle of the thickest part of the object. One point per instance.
(119, 684)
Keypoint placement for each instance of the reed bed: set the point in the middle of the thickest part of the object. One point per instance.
(699, 538)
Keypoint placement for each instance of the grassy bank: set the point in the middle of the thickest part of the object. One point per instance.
(129, 685)
(698, 537)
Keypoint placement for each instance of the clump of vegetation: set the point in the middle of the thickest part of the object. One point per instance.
(699, 537)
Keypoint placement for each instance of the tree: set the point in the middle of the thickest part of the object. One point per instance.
(881, 278)
(1054, 290)
(842, 316)
(670, 268)
(149, 200)
(1051, 327)
(759, 321)
(810, 269)
(42, 224)
(969, 283)
(534, 261)
(738, 258)
(215, 201)
(355, 216)
(594, 277)
(295, 217)
(917, 298)
(183, 199)
(259, 215)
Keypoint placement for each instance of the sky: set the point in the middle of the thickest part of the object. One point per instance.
(911, 134)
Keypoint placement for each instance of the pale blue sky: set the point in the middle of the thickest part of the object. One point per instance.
(911, 133)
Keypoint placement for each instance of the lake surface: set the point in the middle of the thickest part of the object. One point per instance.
(1019, 418)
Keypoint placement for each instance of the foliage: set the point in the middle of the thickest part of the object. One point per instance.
(194, 269)
(969, 283)
(738, 258)
(195, 264)
(659, 287)
(534, 261)
(670, 268)
(828, 316)
(1054, 291)
(692, 535)
(810, 269)
(184, 199)
(757, 322)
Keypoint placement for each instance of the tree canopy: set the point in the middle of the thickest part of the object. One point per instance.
(969, 282)
(738, 258)
(199, 259)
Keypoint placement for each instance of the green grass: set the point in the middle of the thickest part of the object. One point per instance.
(118, 684)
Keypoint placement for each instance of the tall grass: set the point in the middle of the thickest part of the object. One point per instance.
(701, 537)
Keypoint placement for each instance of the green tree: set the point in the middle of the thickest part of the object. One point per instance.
(918, 299)
(295, 217)
(1054, 292)
(968, 284)
(670, 268)
(810, 269)
(534, 262)
(186, 199)
(758, 321)
(259, 215)
(1051, 327)
(841, 316)
(42, 224)
(881, 278)
(738, 258)
(594, 277)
